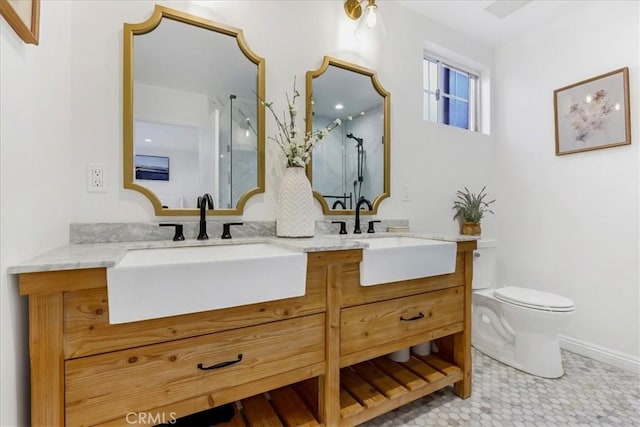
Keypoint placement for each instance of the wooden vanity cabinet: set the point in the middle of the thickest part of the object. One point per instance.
(320, 356)
(85, 371)
(378, 320)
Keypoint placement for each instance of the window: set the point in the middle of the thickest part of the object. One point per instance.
(450, 94)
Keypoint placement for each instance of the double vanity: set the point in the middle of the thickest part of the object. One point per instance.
(284, 355)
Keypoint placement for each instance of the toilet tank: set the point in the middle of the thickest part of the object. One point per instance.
(484, 264)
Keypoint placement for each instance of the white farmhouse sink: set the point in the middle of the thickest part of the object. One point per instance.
(391, 259)
(162, 282)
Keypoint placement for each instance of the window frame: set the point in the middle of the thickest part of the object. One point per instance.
(473, 116)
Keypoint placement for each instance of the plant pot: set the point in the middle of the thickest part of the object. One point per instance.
(471, 229)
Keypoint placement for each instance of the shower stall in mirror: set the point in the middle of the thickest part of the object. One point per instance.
(346, 164)
(236, 153)
(217, 156)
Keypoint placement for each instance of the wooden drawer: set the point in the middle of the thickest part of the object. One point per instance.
(108, 386)
(379, 328)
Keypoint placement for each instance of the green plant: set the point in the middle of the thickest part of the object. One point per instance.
(471, 207)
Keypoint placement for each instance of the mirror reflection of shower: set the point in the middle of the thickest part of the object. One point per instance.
(360, 157)
(236, 149)
(347, 163)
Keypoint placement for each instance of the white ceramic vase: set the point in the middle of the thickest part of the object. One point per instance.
(294, 217)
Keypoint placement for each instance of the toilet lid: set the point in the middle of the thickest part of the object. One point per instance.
(531, 298)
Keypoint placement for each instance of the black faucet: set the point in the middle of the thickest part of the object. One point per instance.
(178, 235)
(226, 229)
(203, 201)
(343, 226)
(371, 228)
(362, 201)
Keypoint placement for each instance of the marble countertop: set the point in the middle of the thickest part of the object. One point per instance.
(95, 255)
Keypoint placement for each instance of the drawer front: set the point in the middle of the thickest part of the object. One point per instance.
(400, 320)
(108, 386)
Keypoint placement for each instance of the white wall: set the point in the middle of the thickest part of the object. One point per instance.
(569, 224)
(35, 180)
(62, 109)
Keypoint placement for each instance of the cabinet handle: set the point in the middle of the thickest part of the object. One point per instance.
(220, 365)
(419, 316)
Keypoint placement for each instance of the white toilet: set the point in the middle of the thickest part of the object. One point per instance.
(517, 326)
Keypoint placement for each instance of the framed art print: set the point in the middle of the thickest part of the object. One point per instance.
(154, 168)
(24, 17)
(593, 114)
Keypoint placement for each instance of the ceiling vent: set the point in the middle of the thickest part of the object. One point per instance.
(504, 8)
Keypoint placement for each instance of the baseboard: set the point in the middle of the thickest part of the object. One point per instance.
(601, 354)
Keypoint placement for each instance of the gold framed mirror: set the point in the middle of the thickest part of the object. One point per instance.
(193, 121)
(353, 161)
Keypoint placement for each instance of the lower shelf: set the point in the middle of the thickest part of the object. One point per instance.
(277, 408)
(375, 387)
(367, 390)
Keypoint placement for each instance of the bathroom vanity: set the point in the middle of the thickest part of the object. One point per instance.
(318, 359)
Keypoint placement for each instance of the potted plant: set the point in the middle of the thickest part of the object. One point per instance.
(470, 209)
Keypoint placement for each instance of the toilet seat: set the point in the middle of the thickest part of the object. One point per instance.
(536, 300)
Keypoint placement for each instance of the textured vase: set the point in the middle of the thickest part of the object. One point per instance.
(294, 216)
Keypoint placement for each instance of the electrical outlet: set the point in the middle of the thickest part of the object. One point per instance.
(97, 180)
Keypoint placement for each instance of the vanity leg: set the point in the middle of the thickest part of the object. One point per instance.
(462, 340)
(46, 359)
(329, 390)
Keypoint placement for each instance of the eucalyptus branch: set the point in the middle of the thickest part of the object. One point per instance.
(296, 144)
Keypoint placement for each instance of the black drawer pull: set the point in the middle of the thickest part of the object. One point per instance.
(419, 316)
(221, 364)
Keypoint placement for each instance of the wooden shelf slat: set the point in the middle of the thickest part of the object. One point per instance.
(442, 365)
(425, 371)
(366, 394)
(259, 412)
(348, 405)
(387, 385)
(291, 408)
(399, 373)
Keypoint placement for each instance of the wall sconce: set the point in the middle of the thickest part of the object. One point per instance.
(370, 25)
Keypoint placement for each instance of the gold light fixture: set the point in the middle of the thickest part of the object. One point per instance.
(370, 25)
(353, 9)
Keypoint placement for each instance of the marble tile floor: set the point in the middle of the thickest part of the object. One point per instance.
(590, 393)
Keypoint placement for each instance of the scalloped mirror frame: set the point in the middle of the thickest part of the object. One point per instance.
(131, 30)
(386, 191)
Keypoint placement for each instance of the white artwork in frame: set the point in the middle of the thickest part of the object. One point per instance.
(593, 114)
(24, 17)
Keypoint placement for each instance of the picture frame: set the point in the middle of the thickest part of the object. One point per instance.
(151, 168)
(24, 17)
(593, 114)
